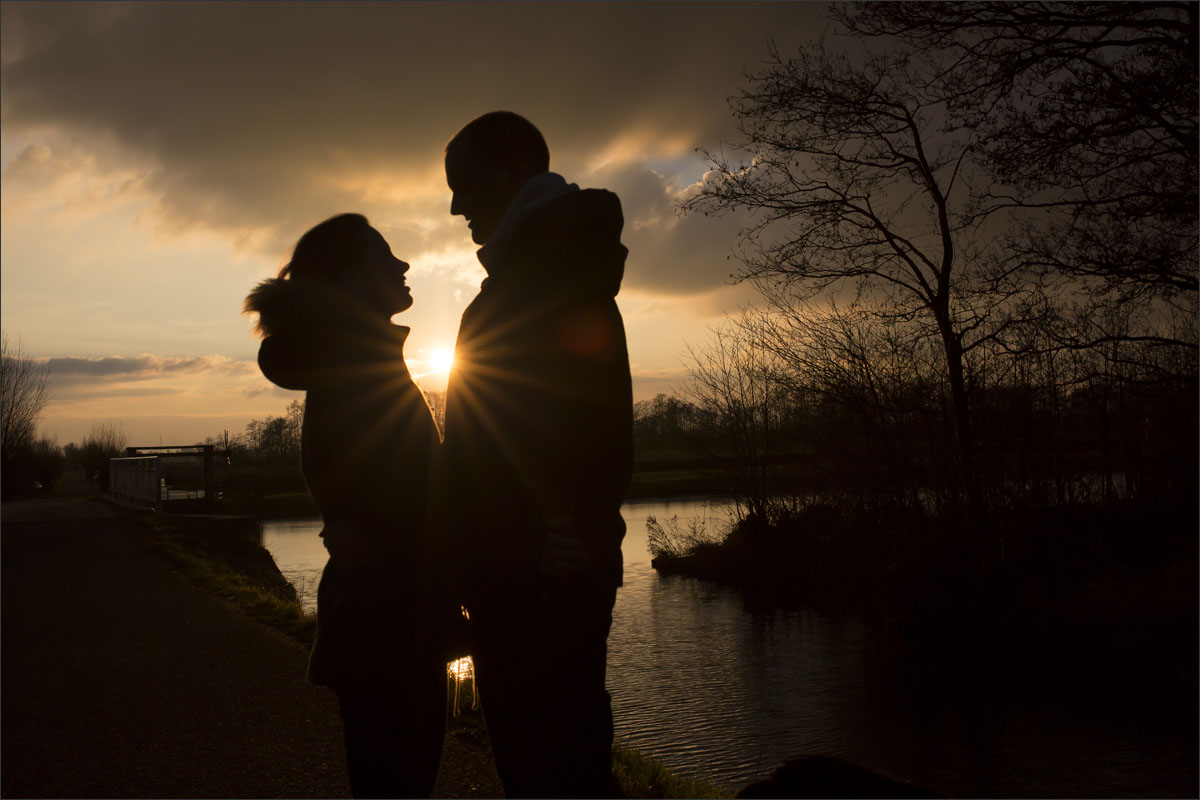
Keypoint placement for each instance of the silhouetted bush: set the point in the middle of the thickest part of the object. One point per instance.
(1079, 565)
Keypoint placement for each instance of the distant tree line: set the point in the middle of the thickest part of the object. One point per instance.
(663, 423)
(668, 422)
(271, 440)
(105, 440)
(275, 440)
(31, 463)
(843, 408)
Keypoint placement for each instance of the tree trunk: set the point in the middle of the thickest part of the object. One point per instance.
(968, 483)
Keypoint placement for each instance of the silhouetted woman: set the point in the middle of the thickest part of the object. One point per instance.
(367, 446)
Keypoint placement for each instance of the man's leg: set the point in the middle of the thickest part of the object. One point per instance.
(579, 727)
(541, 669)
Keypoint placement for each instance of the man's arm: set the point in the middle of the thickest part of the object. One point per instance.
(588, 436)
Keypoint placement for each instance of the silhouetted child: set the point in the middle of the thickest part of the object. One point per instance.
(367, 445)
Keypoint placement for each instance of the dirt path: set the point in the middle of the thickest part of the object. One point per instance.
(119, 679)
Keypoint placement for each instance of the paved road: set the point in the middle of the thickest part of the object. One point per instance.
(119, 679)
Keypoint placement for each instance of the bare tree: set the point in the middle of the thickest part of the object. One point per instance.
(856, 187)
(733, 380)
(1088, 119)
(23, 397)
(880, 375)
(295, 419)
(104, 441)
(663, 420)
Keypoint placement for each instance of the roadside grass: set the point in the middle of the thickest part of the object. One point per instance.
(220, 556)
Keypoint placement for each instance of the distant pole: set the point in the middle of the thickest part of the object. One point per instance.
(208, 474)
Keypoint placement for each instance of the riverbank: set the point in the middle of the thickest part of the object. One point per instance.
(221, 555)
(1087, 600)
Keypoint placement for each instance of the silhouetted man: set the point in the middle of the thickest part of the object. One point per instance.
(538, 455)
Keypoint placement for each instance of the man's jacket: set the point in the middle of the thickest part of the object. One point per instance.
(539, 405)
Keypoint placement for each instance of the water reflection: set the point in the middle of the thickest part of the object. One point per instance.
(299, 552)
(723, 693)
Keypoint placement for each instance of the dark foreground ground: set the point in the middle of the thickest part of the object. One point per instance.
(120, 679)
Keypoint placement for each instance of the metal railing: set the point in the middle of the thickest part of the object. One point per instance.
(136, 479)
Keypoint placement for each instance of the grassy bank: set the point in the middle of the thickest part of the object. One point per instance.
(222, 555)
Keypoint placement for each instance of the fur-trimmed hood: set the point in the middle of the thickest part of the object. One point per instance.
(285, 306)
(317, 334)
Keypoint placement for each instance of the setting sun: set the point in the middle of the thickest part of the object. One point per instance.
(441, 360)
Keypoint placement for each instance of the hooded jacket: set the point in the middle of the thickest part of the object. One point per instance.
(368, 437)
(539, 404)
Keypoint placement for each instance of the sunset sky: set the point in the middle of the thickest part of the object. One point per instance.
(161, 158)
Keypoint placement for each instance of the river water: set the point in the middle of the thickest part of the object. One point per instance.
(724, 693)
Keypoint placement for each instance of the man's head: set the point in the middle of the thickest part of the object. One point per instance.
(487, 162)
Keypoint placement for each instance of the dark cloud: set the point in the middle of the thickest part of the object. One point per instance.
(76, 379)
(265, 387)
(146, 366)
(67, 393)
(258, 119)
(97, 367)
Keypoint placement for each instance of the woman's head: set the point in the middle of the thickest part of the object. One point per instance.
(346, 251)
